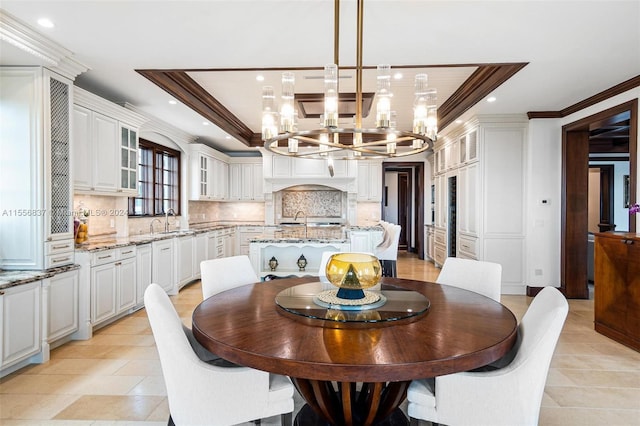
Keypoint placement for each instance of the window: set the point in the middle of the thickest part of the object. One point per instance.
(158, 181)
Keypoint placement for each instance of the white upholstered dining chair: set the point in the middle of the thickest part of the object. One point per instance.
(387, 250)
(507, 396)
(200, 393)
(218, 275)
(478, 276)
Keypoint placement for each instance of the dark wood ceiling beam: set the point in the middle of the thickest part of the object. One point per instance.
(480, 84)
(190, 93)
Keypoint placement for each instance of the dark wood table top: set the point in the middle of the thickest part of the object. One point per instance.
(461, 331)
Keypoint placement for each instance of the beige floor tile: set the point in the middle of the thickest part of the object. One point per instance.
(550, 416)
(21, 406)
(102, 339)
(602, 378)
(128, 325)
(34, 384)
(79, 366)
(151, 385)
(106, 385)
(595, 397)
(100, 407)
(147, 367)
(161, 412)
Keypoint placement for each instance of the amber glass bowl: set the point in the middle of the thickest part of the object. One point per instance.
(353, 271)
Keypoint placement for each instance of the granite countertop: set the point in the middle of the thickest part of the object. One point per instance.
(14, 278)
(376, 227)
(111, 242)
(294, 240)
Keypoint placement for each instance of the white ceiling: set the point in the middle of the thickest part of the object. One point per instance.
(574, 49)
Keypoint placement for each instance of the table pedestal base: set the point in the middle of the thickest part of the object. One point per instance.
(350, 404)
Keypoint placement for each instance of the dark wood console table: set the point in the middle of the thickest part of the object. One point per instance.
(617, 287)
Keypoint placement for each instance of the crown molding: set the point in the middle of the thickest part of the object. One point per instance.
(54, 56)
(154, 124)
(625, 86)
(94, 102)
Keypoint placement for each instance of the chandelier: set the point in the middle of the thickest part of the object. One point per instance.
(279, 127)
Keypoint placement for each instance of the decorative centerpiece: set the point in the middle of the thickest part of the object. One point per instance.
(273, 263)
(352, 273)
(302, 262)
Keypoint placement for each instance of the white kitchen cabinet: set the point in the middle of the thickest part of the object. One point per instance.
(244, 234)
(143, 271)
(128, 183)
(163, 264)
(221, 180)
(468, 197)
(184, 260)
(95, 161)
(61, 298)
(229, 242)
(365, 241)
(36, 168)
(103, 292)
(126, 283)
(209, 172)
(106, 136)
(369, 181)
(246, 181)
(20, 311)
(113, 283)
(199, 252)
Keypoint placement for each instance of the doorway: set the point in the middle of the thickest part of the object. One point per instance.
(576, 140)
(403, 202)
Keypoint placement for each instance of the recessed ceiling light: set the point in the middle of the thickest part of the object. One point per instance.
(491, 99)
(227, 137)
(397, 76)
(45, 22)
(173, 102)
(458, 121)
(259, 77)
(206, 123)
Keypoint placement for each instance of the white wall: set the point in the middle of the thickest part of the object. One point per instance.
(544, 182)
(391, 209)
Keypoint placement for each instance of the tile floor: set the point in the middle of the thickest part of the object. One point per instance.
(115, 378)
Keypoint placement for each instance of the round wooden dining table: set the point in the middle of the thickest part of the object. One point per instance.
(355, 373)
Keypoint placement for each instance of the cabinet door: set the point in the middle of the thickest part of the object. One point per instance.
(126, 284)
(62, 305)
(128, 160)
(200, 253)
(258, 182)
(184, 254)
(105, 161)
(221, 184)
(20, 313)
(369, 181)
(235, 182)
(103, 292)
(246, 174)
(163, 264)
(58, 182)
(212, 245)
(82, 148)
(360, 241)
(143, 271)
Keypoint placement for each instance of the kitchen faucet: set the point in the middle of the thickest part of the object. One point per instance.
(151, 225)
(166, 219)
(305, 220)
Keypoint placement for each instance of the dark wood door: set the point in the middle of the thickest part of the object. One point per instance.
(404, 209)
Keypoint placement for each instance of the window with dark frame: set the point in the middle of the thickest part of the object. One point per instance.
(158, 180)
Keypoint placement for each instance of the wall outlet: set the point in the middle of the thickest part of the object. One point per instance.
(112, 223)
(537, 272)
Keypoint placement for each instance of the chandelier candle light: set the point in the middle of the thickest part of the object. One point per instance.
(331, 141)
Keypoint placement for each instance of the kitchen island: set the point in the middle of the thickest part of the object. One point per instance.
(287, 251)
